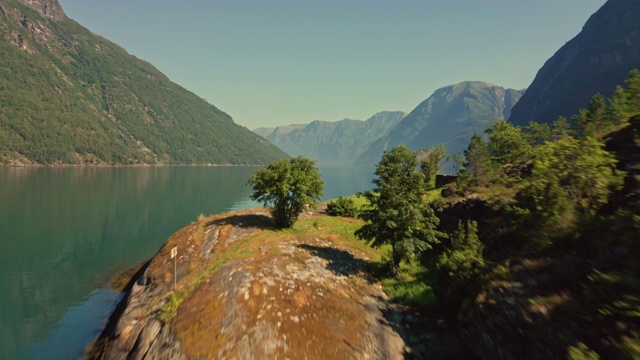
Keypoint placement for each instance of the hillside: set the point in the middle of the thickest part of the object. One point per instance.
(450, 116)
(332, 143)
(72, 97)
(597, 60)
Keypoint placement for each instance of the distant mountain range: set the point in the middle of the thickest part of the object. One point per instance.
(450, 117)
(332, 143)
(596, 60)
(68, 96)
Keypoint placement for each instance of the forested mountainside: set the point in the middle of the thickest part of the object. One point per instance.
(72, 97)
(449, 117)
(595, 61)
(334, 143)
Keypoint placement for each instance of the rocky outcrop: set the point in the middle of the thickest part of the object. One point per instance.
(597, 60)
(48, 8)
(242, 294)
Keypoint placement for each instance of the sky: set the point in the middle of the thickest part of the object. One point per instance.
(276, 62)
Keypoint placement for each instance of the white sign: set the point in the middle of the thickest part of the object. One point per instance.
(174, 252)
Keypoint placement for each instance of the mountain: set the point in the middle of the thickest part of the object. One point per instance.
(332, 143)
(450, 116)
(68, 96)
(596, 60)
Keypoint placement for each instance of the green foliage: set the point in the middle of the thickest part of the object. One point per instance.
(633, 92)
(413, 292)
(287, 186)
(398, 215)
(507, 146)
(593, 120)
(430, 162)
(477, 164)
(342, 206)
(537, 134)
(460, 264)
(582, 170)
(580, 351)
(463, 260)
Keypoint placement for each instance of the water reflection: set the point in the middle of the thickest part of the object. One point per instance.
(65, 231)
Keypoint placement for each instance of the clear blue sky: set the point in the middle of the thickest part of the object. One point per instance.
(276, 62)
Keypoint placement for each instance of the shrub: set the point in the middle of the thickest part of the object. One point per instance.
(342, 207)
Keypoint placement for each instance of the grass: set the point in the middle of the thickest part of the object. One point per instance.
(410, 286)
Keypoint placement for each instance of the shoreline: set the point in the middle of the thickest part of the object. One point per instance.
(96, 347)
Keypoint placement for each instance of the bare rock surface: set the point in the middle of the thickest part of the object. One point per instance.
(243, 292)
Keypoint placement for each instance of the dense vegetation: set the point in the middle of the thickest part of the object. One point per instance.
(541, 256)
(69, 96)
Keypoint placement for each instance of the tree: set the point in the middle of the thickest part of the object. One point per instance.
(430, 164)
(619, 106)
(464, 259)
(506, 144)
(476, 161)
(571, 179)
(583, 169)
(633, 92)
(398, 214)
(286, 186)
(537, 134)
(592, 120)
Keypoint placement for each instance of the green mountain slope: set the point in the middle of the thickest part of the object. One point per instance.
(596, 60)
(68, 96)
(450, 117)
(332, 143)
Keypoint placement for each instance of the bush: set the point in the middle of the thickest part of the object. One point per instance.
(342, 207)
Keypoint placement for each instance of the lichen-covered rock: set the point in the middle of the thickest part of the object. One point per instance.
(244, 292)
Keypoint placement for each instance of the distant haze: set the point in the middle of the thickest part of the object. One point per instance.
(286, 62)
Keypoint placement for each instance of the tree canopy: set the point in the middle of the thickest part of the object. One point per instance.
(286, 187)
(398, 215)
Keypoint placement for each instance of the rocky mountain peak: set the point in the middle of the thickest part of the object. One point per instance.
(595, 61)
(48, 8)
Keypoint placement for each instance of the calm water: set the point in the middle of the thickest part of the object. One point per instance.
(65, 231)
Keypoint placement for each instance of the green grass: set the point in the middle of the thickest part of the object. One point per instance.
(410, 286)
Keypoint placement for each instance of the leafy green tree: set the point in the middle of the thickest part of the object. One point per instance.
(477, 163)
(571, 179)
(633, 92)
(560, 128)
(592, 120)
(537, 134)
(286, 187)
(584, 170)
(507, 145)
(398, 214)
(430, 164)
(618, 106)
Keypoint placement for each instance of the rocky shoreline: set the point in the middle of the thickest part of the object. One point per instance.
(244, 293)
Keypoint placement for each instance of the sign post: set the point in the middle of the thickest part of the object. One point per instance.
(174, 256)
